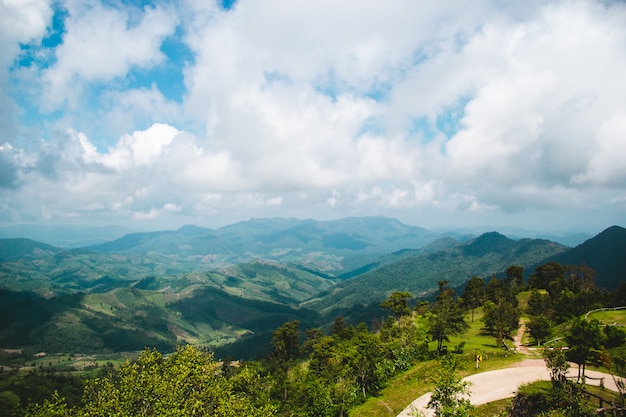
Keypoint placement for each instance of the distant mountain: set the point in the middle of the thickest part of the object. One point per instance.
(64, 236)
(331, 247)
(213, 286)
(14, 249)
(488, 254)
(605, 253)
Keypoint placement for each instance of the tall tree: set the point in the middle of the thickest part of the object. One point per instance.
(286, 346)
(500, 319)
(546, 274)
(515, 276)
(398, 303)
(583, 337)
(474, 294)
(536, 303)
(446, 318)
(539, 328)
(286, 341)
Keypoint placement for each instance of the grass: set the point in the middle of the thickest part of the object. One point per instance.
(400, 393)
(500, 408)
(415, 382)
(609, 317)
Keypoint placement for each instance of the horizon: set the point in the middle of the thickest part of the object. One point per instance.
(81, 235)
(152, 115)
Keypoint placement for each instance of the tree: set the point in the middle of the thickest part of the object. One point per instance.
(339, 328)
(286, 346)
(536, 303)
(286, 341)
(398, 303)
(449, 397)
(583, 337)
(557, 363)
(614, 336)
(500, 319)
(540, 328)
(515, 276)
(188, 382)
(545, 274)
(473, 294)
(446, 318)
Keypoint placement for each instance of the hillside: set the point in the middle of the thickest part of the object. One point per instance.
(605, 253)
(132, 318)
(15, 249)
(213, 286)
(484, 256)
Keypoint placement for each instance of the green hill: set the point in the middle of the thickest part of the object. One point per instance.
(131, 319)
(15, 249)
(484, 256)
(605, 253)
(214, 286)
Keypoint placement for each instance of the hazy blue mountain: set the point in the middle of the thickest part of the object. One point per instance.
(64, 236)
(330, 247)
(14, 249)
(605, 253)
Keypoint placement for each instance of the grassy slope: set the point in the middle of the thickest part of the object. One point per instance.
(417, 381)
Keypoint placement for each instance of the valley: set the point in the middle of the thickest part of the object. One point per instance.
(227, 289)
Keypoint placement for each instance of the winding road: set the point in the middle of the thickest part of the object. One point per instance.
(496, 385)
(503, 383)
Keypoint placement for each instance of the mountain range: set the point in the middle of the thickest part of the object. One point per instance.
(215, 287)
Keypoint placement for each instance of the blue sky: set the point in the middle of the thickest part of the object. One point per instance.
(154, 114)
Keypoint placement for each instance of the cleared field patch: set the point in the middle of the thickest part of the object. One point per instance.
(609, 317)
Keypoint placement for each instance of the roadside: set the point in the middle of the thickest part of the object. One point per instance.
(503, 383)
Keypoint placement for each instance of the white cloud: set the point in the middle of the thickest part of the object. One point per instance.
(22, 21)
(607, 166)
(102, 43)
(352, 107)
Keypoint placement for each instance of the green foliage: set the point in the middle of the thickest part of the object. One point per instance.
(474, 294)
(17, 389)
(615, 336)
(515, 277)
(450, 395)
(583, 338)
(539, 328)
(446, 317)
(285, 342)
(398, 303)
(566, 292)
(419, 273)
(500, 319)
(537, 303)
(188, 382)
(556, 362)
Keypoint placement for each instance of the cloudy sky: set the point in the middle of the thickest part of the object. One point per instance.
(154, 114)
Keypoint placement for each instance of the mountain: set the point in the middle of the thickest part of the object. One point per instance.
(64, 236)
(214, 286)
(486, 255)
(604, 253)
(130, 319)
(330, 247)
(15, 249)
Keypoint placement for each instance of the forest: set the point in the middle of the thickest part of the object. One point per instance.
(331, 371)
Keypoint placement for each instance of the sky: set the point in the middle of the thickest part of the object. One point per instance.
(154, 114)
